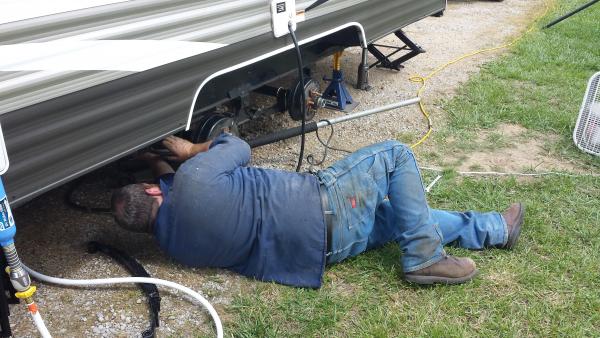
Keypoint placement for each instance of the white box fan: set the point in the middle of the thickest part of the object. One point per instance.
(587, 130)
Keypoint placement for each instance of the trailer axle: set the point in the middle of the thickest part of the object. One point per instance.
(313, 126)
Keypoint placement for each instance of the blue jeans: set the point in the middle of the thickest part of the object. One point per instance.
(377, 196)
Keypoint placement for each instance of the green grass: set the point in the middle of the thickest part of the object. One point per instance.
(540, 84)
(548, 286)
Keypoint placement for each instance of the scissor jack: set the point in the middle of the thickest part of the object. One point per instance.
(384, 61)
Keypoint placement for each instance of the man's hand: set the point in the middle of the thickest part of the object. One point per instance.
(182, 149)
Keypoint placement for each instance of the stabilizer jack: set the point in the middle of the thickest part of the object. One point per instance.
(384, 61)
(337, 96)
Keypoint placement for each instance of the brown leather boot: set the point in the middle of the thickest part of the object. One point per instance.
(450, 270)
(514, 220)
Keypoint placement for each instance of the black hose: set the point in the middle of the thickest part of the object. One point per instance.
(303, 103)
(570, 14)
(282, 135)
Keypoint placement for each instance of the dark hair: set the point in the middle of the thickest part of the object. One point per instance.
(132, 208)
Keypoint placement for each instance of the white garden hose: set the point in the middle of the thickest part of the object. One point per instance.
(39, 324)
(126, 280)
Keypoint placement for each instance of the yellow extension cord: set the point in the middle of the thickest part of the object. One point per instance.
(423, 80)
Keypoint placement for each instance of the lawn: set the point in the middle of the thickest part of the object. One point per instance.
(548, 286)
(539, 85)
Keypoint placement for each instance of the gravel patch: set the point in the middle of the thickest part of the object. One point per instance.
(52, 236)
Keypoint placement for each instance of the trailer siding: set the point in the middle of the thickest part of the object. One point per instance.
(67, 124)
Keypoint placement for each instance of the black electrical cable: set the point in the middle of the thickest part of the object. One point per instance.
(329, 139)
(311, 158)
(315, 5)
(303, 103)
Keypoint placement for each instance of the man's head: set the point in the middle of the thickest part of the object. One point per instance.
(135, 206)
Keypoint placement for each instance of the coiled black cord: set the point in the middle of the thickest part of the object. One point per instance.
(311, 158)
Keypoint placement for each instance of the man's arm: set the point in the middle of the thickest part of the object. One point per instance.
(223, 154)
(182, 149)
(158, 166)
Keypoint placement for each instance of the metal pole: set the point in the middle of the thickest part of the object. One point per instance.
(570, 14)
(368, 112)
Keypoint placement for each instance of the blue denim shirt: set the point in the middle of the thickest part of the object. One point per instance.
(262, 223)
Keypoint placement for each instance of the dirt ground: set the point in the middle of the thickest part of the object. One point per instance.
(52, 237)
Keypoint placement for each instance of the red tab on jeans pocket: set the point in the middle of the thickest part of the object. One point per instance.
(353, 202)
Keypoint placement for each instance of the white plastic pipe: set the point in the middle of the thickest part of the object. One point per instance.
(39, 324)
(131, 280)
(430, 186)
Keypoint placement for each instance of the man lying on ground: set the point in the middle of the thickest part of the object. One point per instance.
(273, 225)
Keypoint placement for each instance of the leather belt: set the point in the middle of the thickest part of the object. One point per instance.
(327, 214)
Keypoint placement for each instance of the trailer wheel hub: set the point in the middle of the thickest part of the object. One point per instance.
(212, 125)
(312, 91)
